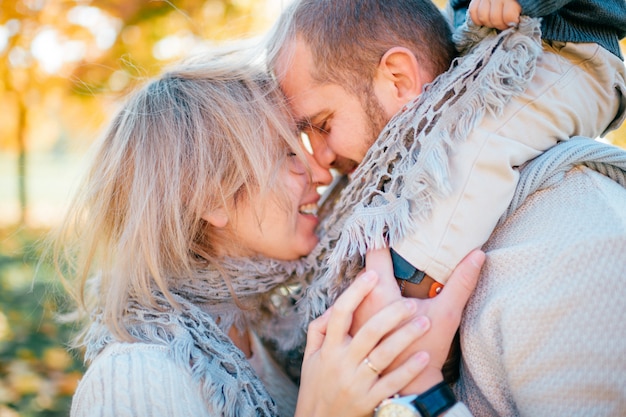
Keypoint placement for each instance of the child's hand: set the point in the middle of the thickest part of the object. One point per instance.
(498, 14)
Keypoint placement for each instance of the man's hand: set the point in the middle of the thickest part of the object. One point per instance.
(444, 312)
(499, 14)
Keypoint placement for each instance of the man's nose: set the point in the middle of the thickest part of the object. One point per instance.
(319, 174)
(324, 156)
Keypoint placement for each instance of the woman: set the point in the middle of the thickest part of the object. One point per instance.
(199, 175)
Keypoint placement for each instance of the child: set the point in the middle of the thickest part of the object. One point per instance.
(579, 88)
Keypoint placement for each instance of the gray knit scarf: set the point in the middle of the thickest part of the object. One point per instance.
(195, 339)
(406, 169)
(374, 210)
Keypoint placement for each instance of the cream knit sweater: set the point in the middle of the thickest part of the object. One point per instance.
(141, 379)
(545, 332)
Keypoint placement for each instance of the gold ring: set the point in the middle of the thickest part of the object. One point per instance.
(372, 367)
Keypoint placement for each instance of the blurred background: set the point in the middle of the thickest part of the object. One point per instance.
(64, 66)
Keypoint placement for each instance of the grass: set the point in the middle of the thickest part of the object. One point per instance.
(37, 374)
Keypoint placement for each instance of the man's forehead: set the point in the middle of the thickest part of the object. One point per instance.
(294, 60)
(304, 95)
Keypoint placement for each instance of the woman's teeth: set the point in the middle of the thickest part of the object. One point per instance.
(308, 209)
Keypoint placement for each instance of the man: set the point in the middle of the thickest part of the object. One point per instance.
(537, 336)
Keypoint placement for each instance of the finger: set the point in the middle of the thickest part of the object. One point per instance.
(396, 342)
(463, 280)
(380, 325)
(472, 9)
(396, 380)
(495, 15)
(379, 260)
(344, 307)
(316, 333)
(511, 12)
(479, 12)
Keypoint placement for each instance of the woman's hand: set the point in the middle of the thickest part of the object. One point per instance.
(341, 374)
(444, 312)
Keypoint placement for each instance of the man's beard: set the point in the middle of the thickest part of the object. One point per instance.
(375, 116)
(376, 121)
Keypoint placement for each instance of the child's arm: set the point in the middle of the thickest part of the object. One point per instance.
(499, 14)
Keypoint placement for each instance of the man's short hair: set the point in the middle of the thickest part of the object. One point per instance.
(349, 37)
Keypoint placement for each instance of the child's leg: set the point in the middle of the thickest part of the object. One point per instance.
(578, 89)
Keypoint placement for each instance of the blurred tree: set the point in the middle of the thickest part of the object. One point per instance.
(63, 65)
(64, 60)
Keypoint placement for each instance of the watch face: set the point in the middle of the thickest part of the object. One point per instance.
(391, 408)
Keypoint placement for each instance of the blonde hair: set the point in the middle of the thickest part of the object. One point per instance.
(202, 136)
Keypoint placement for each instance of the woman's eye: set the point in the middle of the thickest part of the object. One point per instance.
(295, 164)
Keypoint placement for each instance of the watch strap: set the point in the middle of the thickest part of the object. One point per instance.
(435, 401)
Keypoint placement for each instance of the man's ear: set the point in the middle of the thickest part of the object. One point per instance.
(216, 218)
(399, 78)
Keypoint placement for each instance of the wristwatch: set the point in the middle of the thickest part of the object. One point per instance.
(431, 403)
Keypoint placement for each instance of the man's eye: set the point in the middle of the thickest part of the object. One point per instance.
(322, 127)
(308, 127)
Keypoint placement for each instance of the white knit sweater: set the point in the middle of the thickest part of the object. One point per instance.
(545, 332)
(140, 379)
